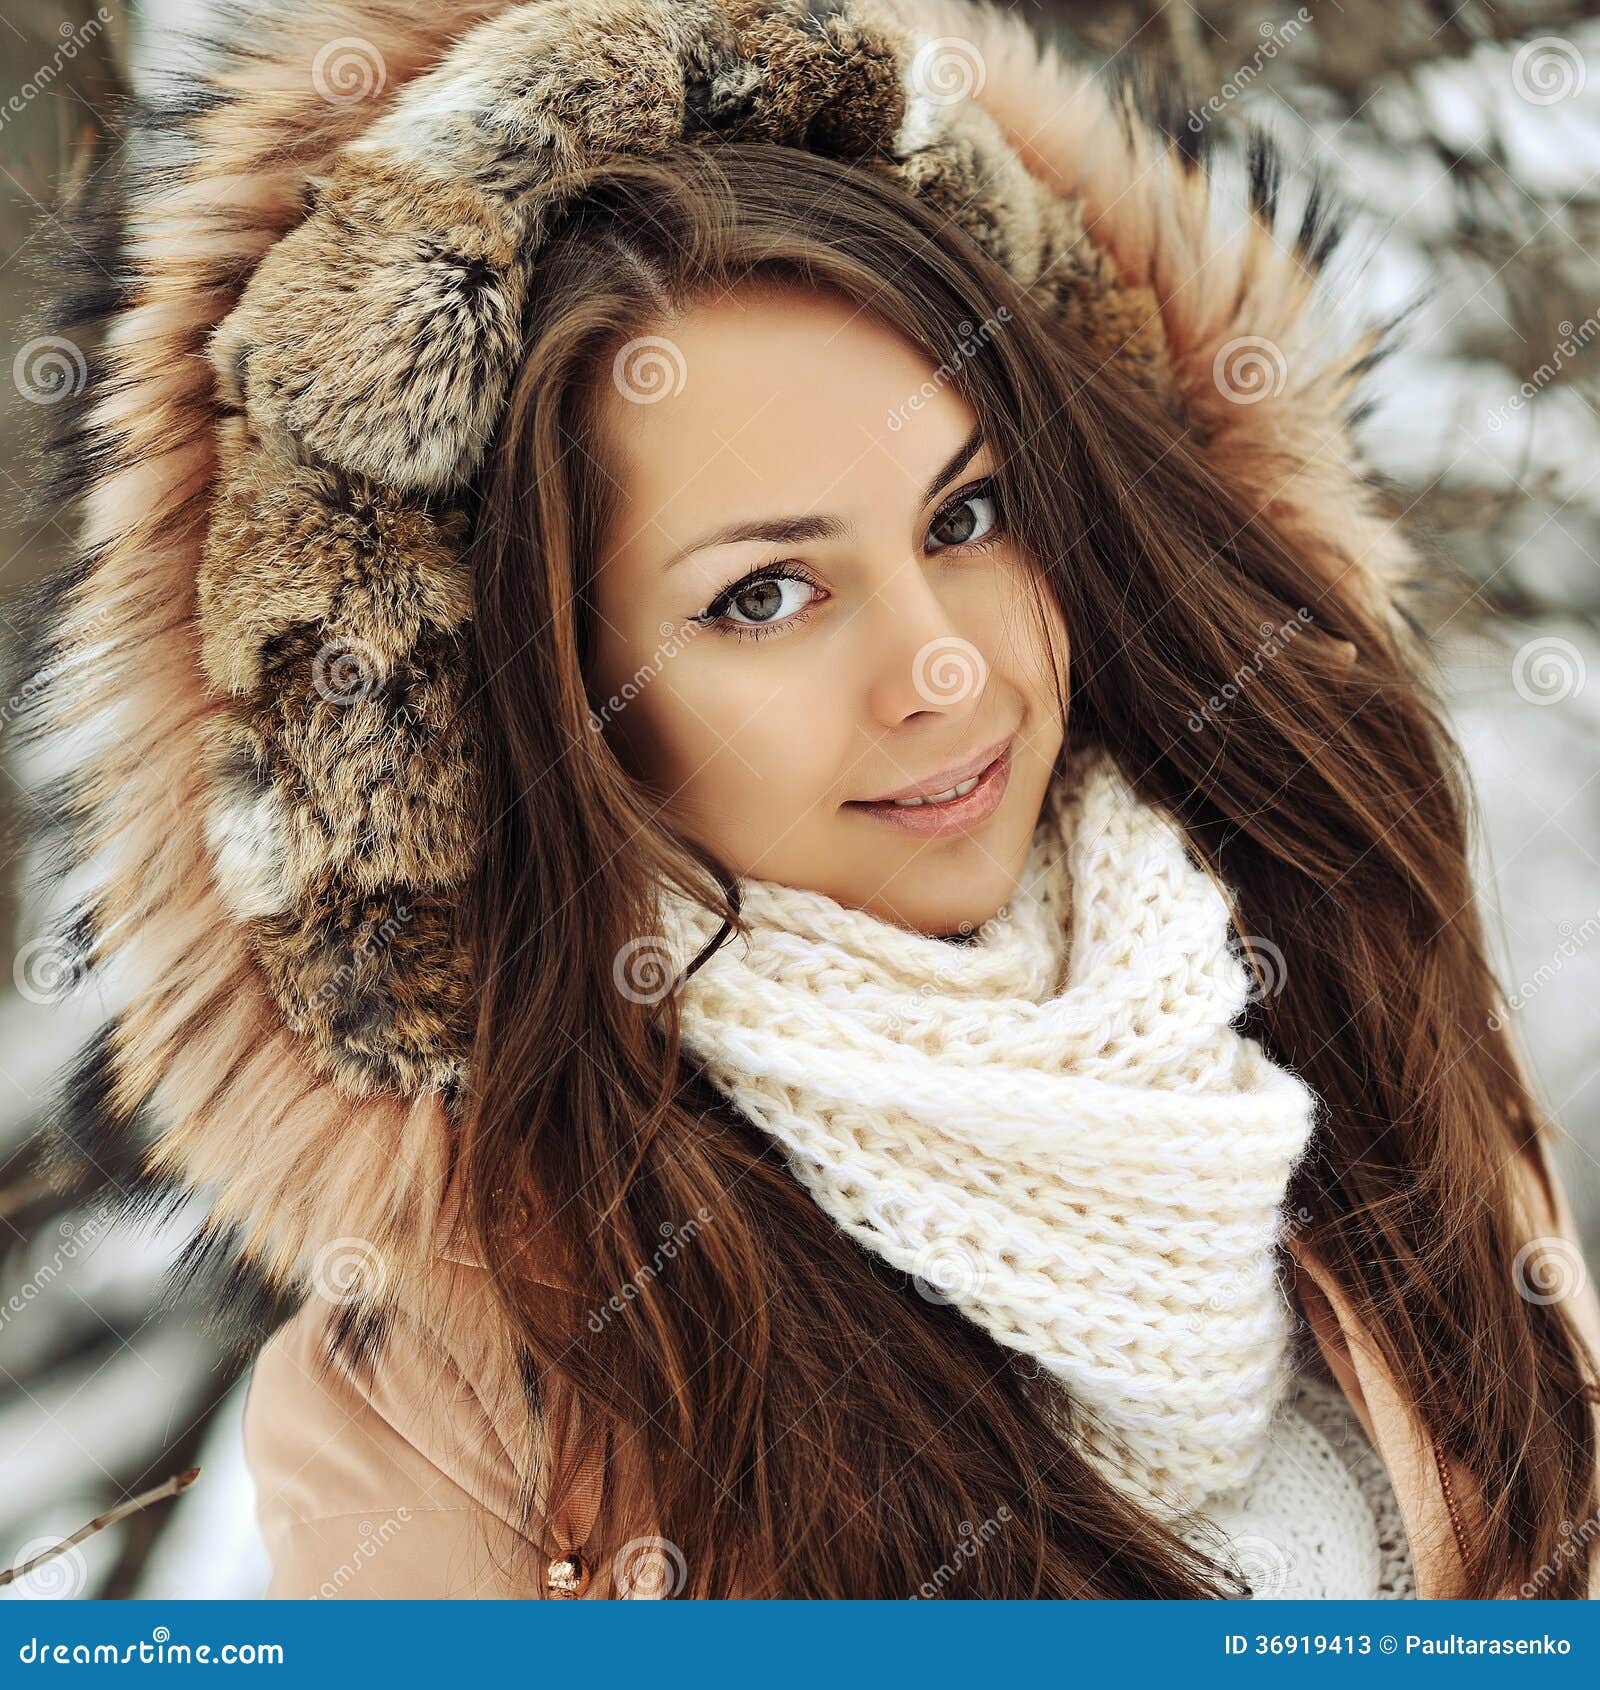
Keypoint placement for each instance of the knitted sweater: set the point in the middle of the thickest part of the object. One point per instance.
(1059, 1126)
(1319, 1517)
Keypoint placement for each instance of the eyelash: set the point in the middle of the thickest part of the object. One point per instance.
(714, 616)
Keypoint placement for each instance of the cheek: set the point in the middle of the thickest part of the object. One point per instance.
(1028, 631)
(736, 746)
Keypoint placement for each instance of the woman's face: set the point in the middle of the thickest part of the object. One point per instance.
(871, 633)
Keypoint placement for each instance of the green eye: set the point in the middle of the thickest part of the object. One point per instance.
(759, 599)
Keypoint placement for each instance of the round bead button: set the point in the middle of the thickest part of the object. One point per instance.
(567, 1575)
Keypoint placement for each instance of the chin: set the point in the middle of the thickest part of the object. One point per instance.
(950, 887)
(955, 898)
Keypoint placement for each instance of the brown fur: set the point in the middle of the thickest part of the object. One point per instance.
(360, 312)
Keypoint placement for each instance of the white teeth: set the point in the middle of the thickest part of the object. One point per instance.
(959, 791)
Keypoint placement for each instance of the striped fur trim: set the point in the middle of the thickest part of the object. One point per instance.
(246, 683)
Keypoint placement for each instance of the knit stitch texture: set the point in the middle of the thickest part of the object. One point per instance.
(1319, 1518)
(1054, 1125)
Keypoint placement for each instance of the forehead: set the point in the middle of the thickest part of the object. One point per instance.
(761, 404)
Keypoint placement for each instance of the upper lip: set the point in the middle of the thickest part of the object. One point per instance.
(943, 781)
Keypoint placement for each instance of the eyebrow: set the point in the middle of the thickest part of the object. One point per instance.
(797, 530)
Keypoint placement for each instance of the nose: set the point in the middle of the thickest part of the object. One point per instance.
(921, 662)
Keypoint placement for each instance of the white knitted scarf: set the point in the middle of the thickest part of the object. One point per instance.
(1053, 1125)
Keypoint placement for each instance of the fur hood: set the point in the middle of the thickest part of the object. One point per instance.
(306, 278)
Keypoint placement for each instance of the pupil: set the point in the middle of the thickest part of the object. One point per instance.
(961, 517)
(769, 592)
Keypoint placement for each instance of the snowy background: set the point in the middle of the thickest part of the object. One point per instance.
(1467, 137)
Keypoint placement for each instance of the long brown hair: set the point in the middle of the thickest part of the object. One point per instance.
(811, 1424)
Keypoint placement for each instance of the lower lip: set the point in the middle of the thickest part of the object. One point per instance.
(930, 821)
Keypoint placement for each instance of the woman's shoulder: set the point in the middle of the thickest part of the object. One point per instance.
(387, 1478)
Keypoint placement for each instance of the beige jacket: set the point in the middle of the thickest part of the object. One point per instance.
(263, 881)
(401, 1486)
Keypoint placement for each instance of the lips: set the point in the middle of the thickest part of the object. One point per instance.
(945, 780)
(978, 798)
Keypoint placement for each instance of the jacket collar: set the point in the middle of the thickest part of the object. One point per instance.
(1439, 1500)
(1436, 1497)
